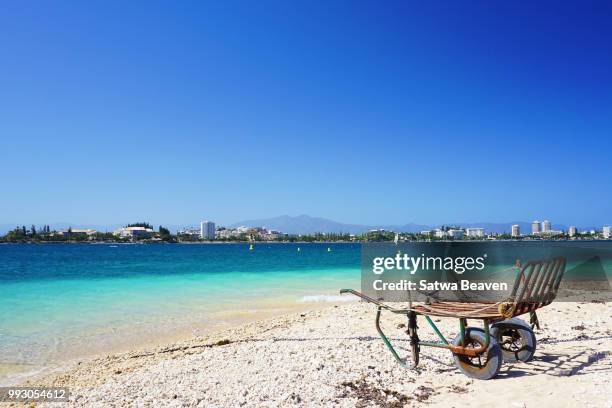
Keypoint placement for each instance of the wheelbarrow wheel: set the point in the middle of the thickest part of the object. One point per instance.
(484, 366)
(516, 339)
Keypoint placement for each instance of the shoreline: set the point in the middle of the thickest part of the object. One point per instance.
(230, 319)
(359, 242)
(181, 243)
(333, 357)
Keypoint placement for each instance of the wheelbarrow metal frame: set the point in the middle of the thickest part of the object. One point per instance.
(443, 343)
(535, 286)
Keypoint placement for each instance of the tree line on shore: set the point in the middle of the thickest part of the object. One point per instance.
(45, 234)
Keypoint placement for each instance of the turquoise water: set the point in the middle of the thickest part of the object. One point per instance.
(60, 302)
(63, 302)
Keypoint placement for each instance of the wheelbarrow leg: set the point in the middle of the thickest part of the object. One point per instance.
(386, 340)
(414, 338)
(533, 320)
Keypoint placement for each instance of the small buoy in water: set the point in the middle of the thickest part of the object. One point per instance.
(328, 249)
(251, 247)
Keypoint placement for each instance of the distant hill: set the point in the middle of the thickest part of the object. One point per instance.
(305, 224)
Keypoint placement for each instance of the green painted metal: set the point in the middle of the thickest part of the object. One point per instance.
(435, 328)
(444, 344)
(487, 334)
(434, 344)
(462, 324)
(386, 340)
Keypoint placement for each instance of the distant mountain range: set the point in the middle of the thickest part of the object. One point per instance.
(305, 224)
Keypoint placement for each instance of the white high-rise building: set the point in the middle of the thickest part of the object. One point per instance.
(438, 233)
(535, 227)
(207, 230)
(571, 231)
(455, 233)
(545, 226)
(474, 232)
(516, 230)
(607, 232)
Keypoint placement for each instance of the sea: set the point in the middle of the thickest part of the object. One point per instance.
(63, 302)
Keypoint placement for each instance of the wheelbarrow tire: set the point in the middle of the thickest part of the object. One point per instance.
(484, 367)
(516, 339)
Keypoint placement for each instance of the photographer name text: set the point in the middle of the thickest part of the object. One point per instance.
(426, 285)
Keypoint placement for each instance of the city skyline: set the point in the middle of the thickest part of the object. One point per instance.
(377, 114)
(145, 232)
(317, 224)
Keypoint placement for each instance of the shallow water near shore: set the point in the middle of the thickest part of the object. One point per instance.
(64, 302)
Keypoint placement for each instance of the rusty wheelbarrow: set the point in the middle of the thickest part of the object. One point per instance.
(479, 352)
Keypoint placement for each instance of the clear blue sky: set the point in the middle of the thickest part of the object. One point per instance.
(363, 112)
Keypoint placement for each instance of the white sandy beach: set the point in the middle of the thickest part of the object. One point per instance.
(334, 357)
